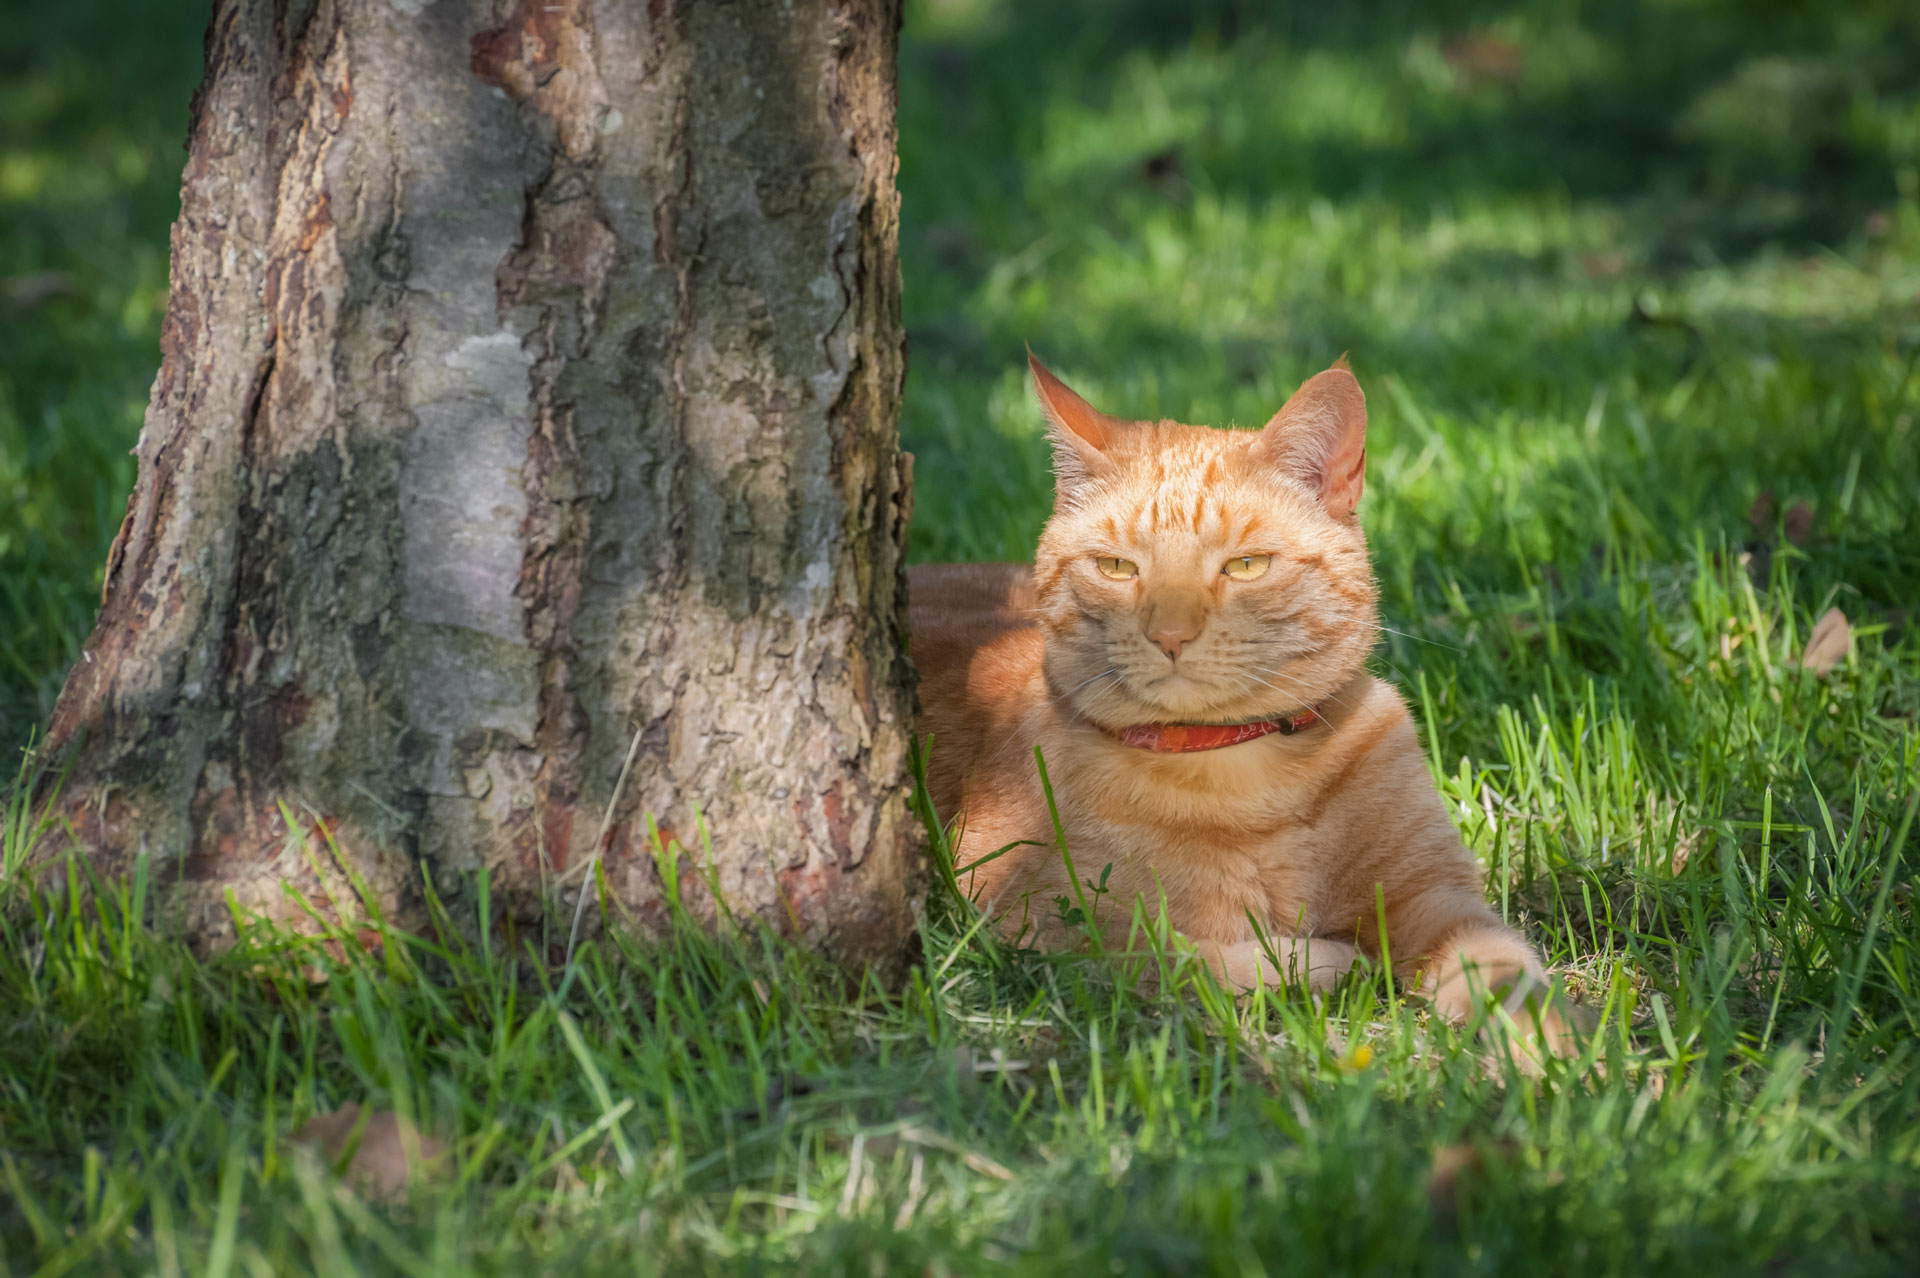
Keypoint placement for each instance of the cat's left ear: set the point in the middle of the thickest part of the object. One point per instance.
(1319, 437)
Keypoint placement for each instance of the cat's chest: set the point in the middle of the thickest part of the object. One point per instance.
(1214, 877)
(1260, 816)
(1258, 832)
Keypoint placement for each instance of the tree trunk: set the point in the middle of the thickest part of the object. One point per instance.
(526, 411)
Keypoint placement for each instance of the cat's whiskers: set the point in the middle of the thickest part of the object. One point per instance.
(1257, 679)
(1300, 686)
(1087, 702)
(1341, 616)
(1281, 674)
(1104, 690)
(1295, 687)
(1390, 630)
(1091, 697)
(1110, 670)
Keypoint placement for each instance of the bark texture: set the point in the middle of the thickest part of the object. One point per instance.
(527, 405)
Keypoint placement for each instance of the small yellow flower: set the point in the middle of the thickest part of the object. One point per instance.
(1358, 1059)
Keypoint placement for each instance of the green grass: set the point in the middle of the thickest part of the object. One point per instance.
(1601, 300)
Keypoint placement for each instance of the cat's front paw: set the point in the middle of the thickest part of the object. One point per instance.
(1536, 1012)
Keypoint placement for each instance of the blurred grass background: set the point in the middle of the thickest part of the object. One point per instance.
(1650, 245)
(1634, 290)
(93, 122)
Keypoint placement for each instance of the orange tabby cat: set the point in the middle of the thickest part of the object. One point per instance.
(1188, 651)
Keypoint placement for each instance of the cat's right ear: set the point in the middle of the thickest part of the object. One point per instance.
(1081, 433)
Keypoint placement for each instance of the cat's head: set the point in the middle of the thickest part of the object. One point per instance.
(1198, 575)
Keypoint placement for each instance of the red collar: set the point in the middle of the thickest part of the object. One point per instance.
(1183, 738)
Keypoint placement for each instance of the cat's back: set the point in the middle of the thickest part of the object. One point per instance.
(947, 598)
(978, 650)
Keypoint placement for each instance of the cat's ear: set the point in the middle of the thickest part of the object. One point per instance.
(1319, 437)
(1080, 432)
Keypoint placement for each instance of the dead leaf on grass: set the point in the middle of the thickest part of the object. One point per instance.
(1603, 266)
(389, 1147)
(1798, 524)
(1827, 645)
(1483, 57)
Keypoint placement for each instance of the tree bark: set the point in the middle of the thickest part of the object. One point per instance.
(527, 407)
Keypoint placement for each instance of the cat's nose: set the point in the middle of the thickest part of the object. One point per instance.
(1173, 634)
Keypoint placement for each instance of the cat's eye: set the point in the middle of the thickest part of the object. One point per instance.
(1118, 569)
(1246, 567)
